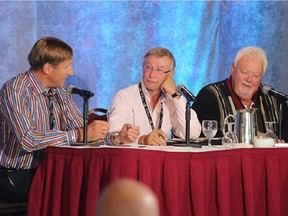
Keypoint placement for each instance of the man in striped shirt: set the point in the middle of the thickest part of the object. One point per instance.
(242, 90)
(28, 125)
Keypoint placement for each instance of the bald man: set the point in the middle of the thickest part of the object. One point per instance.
(127, 197)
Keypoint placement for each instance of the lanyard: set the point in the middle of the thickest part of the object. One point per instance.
(147, 109)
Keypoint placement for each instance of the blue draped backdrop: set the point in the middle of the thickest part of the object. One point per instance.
(109, 39)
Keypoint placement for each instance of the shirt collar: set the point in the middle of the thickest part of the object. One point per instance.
(35, 83)
(147, 95)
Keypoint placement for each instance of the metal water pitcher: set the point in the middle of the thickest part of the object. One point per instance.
(246, 125)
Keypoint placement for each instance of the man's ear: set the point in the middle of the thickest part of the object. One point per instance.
(172, 72)
(47, 68)
(232, 68)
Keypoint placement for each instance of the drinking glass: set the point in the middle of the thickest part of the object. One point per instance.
(209, 129)
(270, 132)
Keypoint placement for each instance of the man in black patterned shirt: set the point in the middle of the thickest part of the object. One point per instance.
(243, 89)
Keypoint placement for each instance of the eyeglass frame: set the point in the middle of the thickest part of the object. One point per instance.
(157, 69)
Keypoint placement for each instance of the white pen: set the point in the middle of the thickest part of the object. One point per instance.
(133, 117)
(108, 114)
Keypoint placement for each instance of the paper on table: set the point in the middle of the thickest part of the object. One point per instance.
(281, 145)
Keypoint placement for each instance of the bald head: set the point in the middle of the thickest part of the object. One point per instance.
(127, 197)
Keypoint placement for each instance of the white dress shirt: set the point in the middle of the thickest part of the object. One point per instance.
(127, 107)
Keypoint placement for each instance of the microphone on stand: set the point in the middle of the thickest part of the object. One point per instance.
(187, 94)
(190, 97)
(269, 90)
(83, 93)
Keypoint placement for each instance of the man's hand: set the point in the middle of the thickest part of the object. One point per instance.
(128, 134)
(169, 85)
(156, 137)
(97, 129)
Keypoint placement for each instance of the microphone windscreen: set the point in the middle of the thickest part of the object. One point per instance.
(180, 86)
(70, 89)
(265, 89)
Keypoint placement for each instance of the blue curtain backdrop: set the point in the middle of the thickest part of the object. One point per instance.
(109, 39)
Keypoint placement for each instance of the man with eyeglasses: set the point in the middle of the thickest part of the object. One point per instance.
(242, 90)
(153, 104)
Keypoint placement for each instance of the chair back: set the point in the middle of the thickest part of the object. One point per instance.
(97, 114)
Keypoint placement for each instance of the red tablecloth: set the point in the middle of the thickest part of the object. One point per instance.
(229, 182)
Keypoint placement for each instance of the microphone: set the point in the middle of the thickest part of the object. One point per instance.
(268, 89)
(83, 93)
(189, 96)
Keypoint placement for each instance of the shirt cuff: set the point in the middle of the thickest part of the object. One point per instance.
(72, 136)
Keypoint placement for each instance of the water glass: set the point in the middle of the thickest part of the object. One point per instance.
(209, 129)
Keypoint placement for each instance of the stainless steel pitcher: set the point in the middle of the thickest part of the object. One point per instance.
(246, 125)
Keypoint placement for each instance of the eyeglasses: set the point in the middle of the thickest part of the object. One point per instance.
(149, 68)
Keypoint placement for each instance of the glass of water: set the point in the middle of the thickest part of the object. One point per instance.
(209, 129)
(270, 131)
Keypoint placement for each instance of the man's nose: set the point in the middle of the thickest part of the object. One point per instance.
(70, 72)
(153, 72)
(249, 77)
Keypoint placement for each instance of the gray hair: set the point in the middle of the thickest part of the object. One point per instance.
(161, 52)
(254, 52)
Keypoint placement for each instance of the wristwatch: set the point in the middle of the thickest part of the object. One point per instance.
(176, 94)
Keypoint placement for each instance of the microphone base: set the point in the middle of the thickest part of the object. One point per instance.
(183, 143)
(189, 144)
(85, 144)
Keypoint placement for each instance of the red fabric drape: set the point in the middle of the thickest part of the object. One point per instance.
(231, 182)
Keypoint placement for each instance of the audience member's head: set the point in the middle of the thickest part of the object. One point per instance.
(127, 197)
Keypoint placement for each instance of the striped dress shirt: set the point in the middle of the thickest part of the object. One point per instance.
(25, 129)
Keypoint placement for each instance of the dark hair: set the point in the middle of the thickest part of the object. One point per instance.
(49, 50)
